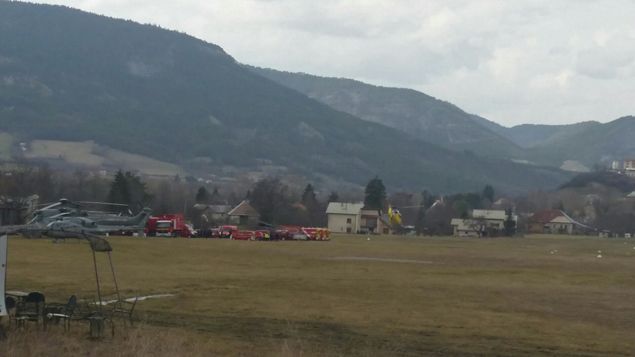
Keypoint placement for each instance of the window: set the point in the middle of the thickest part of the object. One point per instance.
(349, 230)
(349, 220)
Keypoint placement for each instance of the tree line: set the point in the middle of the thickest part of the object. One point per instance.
(305, 204)
(277, 202)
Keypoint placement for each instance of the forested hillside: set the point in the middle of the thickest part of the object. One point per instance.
(70, 75)
(407, 110)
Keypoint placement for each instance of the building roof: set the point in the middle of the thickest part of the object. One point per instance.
(218, 209)
(546, 216)
(344, 208)
(370, 213)
(503, 203)
(498, 215)
(457, 221)
(244, 209)
(463, 224)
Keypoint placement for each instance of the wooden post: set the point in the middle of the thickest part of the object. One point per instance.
(97, 279)
(114, 277)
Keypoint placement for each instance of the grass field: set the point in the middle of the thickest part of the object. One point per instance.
(80, 153)
(87, 153)
(528, 296)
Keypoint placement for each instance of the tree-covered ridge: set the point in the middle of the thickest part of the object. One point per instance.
(407, 110)
(623, 183)
(590, 143)
(70, 75)
(446, 125)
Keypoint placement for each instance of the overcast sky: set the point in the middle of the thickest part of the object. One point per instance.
(510, 61)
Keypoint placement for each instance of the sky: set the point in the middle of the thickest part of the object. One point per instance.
(513, 62)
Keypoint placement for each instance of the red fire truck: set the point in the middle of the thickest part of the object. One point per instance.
(227, 231)
(302, 233)
(316, 233)
(168, 225)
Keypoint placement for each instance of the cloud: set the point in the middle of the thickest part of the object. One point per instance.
(512, 62)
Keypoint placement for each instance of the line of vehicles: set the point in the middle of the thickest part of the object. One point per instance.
(67, 219)
(174, 225)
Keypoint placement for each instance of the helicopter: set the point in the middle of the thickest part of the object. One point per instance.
(66, 219)
(79, 227)
(65, 208)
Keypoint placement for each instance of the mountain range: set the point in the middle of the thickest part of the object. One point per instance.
(71, 76)
(446, 125)
(407, 110)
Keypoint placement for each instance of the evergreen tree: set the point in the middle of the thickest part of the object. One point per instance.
(375, 194)
(488, 192)
(216, 198)
(308, 197)
(314, 210)
(119, 189)
(333, 197)
(137, 190)
(128, 189)
(510, 223)
(202, 196)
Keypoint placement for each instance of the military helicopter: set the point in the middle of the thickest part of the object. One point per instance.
(77, 227)
(67, 208)
(66, 219)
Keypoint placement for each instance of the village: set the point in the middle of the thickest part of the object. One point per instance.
(569, 211)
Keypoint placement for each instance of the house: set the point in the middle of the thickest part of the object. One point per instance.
(465, 227)
(216, 214)
(493, 217)
(483, 222)
(629, 168)
(344, 217)
(551, 221)
(243, 214)
(373, 221)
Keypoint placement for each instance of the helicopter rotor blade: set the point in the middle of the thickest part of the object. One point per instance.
(60, 202)
(103, 203)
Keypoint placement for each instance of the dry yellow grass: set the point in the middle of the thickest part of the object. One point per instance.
(80, 153)
(87, 153)
(383, 296)
(134, 342)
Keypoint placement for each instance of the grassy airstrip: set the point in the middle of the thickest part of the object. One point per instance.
(538, 295)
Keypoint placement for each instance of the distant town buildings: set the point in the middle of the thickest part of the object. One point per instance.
(626, 167)
(346, 217)
(244, 214)
(551, 221)
(483, 222)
